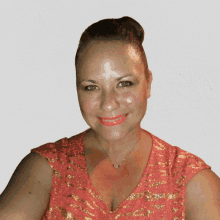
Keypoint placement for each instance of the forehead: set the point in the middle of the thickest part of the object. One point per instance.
(118, 54)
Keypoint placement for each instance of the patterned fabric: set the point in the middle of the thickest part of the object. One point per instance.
(160, 193)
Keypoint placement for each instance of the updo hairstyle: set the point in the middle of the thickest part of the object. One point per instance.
(123, 29)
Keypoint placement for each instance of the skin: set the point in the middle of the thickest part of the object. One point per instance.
(111, 95)
(203, 196)
(104, 63)
(28, 191)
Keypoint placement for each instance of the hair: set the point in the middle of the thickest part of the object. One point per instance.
(124, 29)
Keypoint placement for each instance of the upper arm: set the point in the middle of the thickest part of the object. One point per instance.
(27, 193)
(203, 196)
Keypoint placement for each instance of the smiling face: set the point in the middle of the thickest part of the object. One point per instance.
(111, 82)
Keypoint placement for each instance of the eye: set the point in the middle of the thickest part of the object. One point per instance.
(91, 88)
(125, 83)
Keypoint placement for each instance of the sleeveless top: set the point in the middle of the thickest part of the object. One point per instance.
(160, 194)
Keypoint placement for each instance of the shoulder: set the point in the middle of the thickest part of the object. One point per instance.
(29, 186)
(203, 196)
(38, 168)
(51, 146)
(36, 162)
(32, 165)
(182, 165)
(202, 185)
(62, 145)
(177, 157)
(33, 161)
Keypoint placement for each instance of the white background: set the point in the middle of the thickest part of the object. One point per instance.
(38, 41)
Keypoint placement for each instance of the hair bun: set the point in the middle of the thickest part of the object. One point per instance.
(128, 25)
(111, 29)
(121, 28)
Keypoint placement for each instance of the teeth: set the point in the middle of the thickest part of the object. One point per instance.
(113, 120)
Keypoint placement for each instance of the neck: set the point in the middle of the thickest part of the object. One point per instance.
(117, 149)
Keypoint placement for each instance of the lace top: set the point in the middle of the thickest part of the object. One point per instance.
(160, 194)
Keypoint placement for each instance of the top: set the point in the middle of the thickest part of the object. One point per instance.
(160, 193)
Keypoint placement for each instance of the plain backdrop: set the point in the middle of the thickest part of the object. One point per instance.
(38, 99)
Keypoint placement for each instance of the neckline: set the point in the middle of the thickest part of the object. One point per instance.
(145, 172)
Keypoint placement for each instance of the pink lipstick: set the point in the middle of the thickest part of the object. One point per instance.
(113, 120)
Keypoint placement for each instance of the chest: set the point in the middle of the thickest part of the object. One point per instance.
(115, 185)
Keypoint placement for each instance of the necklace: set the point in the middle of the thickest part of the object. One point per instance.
(118, 165)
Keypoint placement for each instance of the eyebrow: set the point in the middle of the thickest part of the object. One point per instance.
(117, 79)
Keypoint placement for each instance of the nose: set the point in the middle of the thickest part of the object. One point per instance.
(110, 101)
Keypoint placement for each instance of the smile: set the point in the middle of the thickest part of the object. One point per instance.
(113, 121)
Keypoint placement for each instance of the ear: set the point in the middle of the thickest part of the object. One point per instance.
(149, 81)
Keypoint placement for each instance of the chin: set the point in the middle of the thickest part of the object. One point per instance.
(113, 133)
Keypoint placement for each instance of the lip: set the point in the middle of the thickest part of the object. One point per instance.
(113, 123)
(112, 118)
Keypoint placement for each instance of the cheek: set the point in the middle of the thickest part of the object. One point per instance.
(134, 99)
(87, 104)
(127, 99)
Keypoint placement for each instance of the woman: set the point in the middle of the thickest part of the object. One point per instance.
(115, 169)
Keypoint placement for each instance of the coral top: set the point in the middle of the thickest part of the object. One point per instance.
(160, 194)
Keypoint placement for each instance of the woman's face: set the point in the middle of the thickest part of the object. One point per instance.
(111, 82)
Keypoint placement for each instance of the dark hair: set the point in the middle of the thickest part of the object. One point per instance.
(121, 29)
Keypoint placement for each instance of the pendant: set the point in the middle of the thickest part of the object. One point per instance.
(116, 166)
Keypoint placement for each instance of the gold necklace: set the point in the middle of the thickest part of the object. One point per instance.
(118, 165)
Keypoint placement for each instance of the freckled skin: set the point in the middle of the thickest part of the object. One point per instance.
(110, 98)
